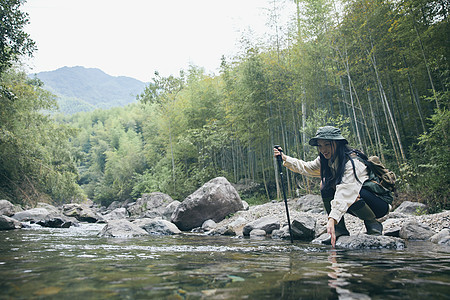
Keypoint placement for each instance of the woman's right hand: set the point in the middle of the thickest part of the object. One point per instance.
(276, 153)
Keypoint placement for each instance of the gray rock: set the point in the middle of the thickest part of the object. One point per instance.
(282, 233)
(392, 227)
(118, 213)
(122, 229)
(6, 208)
(57, 222)
(81, 212)
(364, 241)
(114, 205)
(7, 223)
(209, 225)
(310, 203)
(257, 233)
(168, 211)
(412, 230)
(33, 215)
(150, 205)
(268, 224)
(215, 200)
(161, 227)
(223, 230)
(51, 209)
(303, 228)
(141, 222)
(411, 208)
(442, 237)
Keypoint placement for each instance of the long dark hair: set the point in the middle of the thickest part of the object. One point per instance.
(342, 154)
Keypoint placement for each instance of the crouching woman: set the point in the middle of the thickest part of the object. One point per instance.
(342, 176)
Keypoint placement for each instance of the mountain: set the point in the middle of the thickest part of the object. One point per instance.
(84, 89)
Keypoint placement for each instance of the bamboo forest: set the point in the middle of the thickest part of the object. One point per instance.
(379, 70)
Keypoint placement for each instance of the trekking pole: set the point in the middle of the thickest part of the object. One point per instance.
(280, 170)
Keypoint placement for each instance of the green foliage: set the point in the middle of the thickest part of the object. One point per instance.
(36, 158)
(431, 158)
(14, 41)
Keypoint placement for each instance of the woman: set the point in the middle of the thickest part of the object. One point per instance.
(342, 176)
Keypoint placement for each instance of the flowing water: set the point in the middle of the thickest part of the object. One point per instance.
(73, 263)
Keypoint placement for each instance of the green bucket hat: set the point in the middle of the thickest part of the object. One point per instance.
(327, 133)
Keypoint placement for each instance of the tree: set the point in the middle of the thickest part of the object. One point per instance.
(14, 42)
(36, 160)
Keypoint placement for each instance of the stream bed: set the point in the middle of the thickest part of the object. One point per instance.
(74, 263)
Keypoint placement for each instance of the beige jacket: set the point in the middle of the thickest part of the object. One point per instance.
(346, 192)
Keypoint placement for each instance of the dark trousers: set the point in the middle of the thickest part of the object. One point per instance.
(379, 207)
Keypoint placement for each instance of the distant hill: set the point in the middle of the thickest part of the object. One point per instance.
(85, 89)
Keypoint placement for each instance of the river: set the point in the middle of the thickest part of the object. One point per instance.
(74, 263)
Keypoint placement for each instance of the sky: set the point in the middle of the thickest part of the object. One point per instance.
(135, 38)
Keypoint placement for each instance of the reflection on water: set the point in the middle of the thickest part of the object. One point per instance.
(75, 263)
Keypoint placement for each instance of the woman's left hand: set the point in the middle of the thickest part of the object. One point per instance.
(330, 230)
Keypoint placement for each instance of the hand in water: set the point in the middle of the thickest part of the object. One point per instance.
(330, 230)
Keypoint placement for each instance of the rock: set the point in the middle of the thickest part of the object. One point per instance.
(303, 228)
(209, 225)
(8, 223)
(122, 229)
(257, 233)
(231, 229)
(245, 205)
(442, 237)
(168, 211)
(310, 203)
(282, 233)
(412, 230)
(114, 205)
(6, 208)
(411, 208)
(161, 227)
(118, 213)
(150, 205)
(51, 209)
(392, 227)
(141, 222)
(215, 200)
(33, 215)
(364, 241)
(268, 224)
(82, 213)
(56, 222)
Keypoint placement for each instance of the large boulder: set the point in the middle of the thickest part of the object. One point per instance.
(81, 212)
(122, 229)
(7, 223)
(151, 205)
(215, 200)
(6, 208)
(32, 215)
